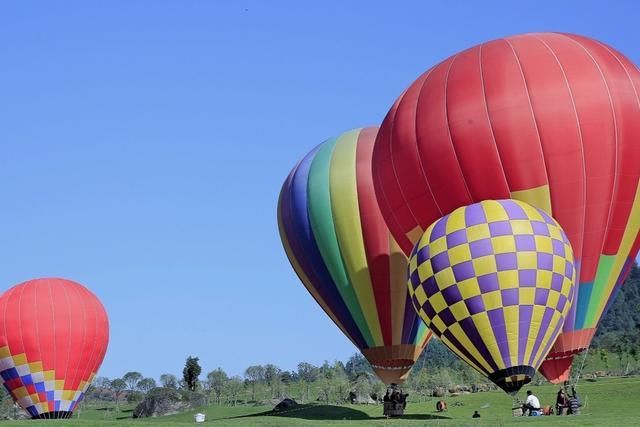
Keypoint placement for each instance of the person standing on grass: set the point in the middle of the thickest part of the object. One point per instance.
(574, 402)
(562, 403)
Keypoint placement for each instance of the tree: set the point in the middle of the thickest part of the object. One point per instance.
(134, 396)
(101, 382)
(146, 384)
(271, 372)
(287, 377)
(341, 387)
(357, 365)
(216, 383)
(421, 383)
(169, 381)
(338, 369)
(272, 378)
(378, 388)
(132, 379)
(232, 389)
(326, 370)
(191, 372)
(307, 374)
(326, 386)
(118, 386)
(254, 374)
(604, 356)
(362, 386)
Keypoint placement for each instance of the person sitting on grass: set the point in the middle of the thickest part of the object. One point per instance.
(531, 405)
(476, 414)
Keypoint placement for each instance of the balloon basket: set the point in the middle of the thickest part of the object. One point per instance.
(393, 409)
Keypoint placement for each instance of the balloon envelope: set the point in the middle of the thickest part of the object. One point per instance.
(549, 119)
(495, 281)
(53, 337)
(341, 249)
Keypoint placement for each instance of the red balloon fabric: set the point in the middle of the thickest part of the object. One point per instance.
(549, 119)
(53, 338)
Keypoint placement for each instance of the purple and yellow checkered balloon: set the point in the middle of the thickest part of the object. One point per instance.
(495, 281)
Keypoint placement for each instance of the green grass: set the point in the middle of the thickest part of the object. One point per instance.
(611, 401)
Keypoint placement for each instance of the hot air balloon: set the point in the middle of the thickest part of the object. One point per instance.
(495, 281)
(53, 337)
(341, 249)
(549, 119)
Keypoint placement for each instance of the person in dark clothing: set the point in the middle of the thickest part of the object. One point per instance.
(562, 403)
(386, 397)
(476, 414)
(403, 399)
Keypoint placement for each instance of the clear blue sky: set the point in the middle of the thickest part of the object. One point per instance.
(143, 145)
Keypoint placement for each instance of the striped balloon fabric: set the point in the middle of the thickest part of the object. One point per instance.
(495, 281)
(341, 249)
(550, 119)
(53, 337)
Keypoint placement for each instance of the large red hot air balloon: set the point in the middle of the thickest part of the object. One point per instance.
(549, 119)
(53, 337)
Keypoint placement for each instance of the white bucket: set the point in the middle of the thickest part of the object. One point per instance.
(199, 418)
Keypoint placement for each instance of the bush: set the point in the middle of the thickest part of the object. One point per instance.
(134, 397)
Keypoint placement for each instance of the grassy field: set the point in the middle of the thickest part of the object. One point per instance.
(611, 401)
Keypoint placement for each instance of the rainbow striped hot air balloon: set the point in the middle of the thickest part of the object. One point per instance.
(341, 249)
(495, 281)
(550, 119)
(53, 337)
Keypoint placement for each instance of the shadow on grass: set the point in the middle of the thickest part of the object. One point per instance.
(331, 412)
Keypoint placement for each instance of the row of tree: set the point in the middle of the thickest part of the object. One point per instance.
(437, 367)
(330, 382)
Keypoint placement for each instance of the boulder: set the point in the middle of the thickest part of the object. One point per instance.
(439, 392)
(165, 401)
(365, 400)
(285, 404)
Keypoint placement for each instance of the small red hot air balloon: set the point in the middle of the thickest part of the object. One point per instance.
(53, 337)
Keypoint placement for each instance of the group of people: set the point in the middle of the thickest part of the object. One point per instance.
(396, 396)
(395, 401)
(566, 404)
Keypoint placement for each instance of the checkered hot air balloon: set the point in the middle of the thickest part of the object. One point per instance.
(53, 337)
(495, 281)
(341, 249)
(550, 119)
